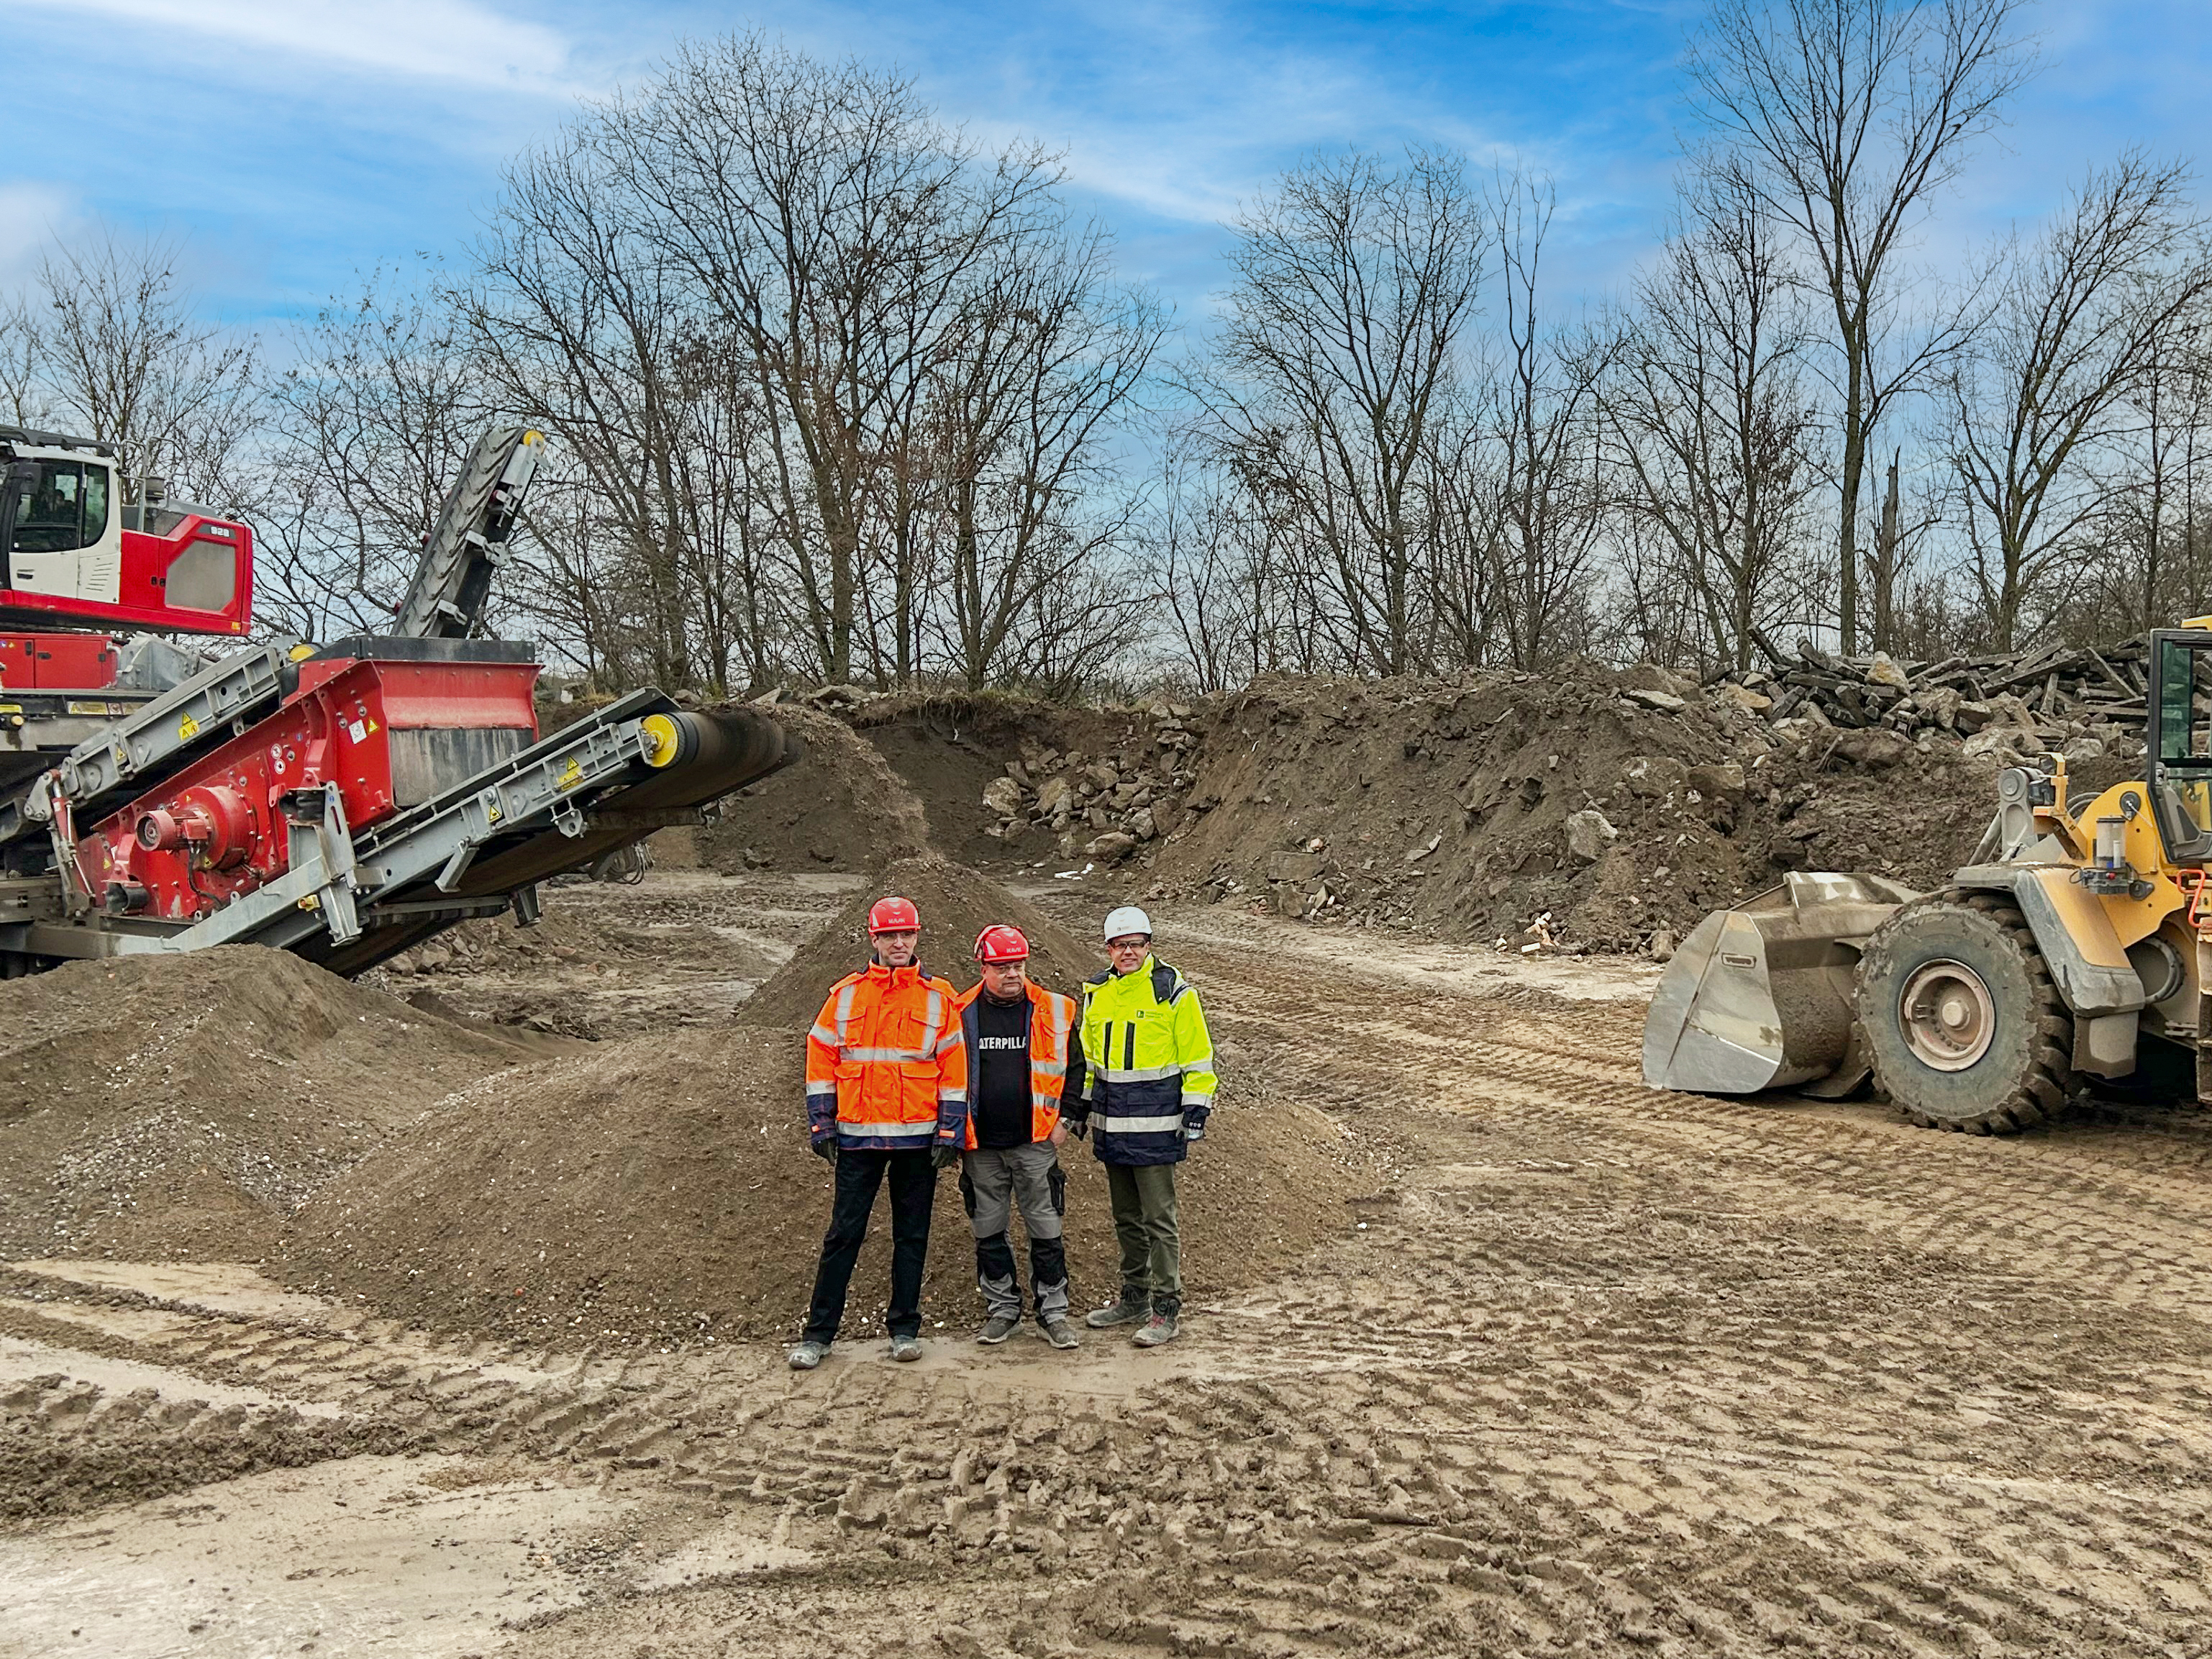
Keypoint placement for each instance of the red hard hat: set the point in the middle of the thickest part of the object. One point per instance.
(999, 943)
(894, 915)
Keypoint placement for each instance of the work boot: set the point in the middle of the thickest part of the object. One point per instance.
(996, 1329)
(1132, 1307)
(1159, 1330)
(1060, 1333)
(808, 1354)
(906, 1347)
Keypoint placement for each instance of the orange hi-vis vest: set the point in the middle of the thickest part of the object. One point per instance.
(1052, 1017)
(886, 1070)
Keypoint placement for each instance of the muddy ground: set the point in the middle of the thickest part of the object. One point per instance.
(1581, 1369)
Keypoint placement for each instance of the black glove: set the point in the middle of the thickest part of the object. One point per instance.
(945, 1156)
(825, 1147)
(1193, 1122)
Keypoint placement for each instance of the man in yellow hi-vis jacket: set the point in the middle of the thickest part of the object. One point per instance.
(1148, 1086)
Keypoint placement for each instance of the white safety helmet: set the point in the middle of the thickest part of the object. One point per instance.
(1128, 919)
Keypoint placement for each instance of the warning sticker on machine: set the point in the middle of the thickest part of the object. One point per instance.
(357, 732)
(571, 775)
(187, 729)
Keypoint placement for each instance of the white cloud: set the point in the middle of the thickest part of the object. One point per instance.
(421, 39)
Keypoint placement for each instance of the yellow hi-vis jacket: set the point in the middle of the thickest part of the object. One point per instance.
(1149, 1064)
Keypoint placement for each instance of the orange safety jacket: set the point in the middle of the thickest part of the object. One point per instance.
(886, 1070)
(1052, 1023)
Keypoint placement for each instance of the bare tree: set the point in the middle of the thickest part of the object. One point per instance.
(1709, 419)
(1044, 362)
(833, 228)
(119, 357)
(1549, 516)
(1853, 115)
(1344, 339)
(2081, 319)
(374, 414)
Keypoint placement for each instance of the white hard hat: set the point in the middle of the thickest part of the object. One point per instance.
(1128, 920)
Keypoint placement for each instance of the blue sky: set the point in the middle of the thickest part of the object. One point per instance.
(292, 144)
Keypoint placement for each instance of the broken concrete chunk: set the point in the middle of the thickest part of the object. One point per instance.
(1589, 834)
(1884, 670)
(1294, 866)
(1664, 703)
(1746, 699)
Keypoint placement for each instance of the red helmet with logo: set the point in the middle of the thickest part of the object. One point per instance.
(999, 943)
(894, 915)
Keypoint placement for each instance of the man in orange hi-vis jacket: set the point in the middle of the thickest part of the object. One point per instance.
(886, 1095)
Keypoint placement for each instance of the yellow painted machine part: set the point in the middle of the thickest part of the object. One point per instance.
(2131, 919)
(662, 740)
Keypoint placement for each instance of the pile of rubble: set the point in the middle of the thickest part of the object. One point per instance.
(2074, 700)
(1104, 805)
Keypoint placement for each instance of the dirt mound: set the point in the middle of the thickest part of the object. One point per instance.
(841, 807)
(178, 1105)
(956, 905)
(1610, 806)
(661, 1190)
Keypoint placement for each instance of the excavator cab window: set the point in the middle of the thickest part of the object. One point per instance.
(2180, 742)
(63, 508)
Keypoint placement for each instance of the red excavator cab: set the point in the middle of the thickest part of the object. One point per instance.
(76, 553)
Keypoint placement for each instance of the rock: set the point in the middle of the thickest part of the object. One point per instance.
(1940, 703)
(1884, 670)
(1168, 814)
(2009, 710)
(1142, 824)
(2084, 749)
(1997, 740)
(1662, 945)
(1663, 702)
(431, 958)
(1650, 677)
(1294, 866)
(1101, 775)
(1876, 749)
(1113, 844)
(1004, 797)
(1724, 781)
(1052, 797)
(1746, 699)
(1971, 717)
(1589, 833)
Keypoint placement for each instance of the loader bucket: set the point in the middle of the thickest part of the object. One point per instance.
(1759, 997)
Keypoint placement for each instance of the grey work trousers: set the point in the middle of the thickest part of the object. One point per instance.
(993, 1181)
(1143, 1197)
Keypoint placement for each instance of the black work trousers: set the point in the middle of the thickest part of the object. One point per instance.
(913, 1188)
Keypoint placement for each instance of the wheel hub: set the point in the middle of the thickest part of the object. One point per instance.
(1947, 1015)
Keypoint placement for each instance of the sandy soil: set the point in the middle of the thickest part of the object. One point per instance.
(1602, 1370)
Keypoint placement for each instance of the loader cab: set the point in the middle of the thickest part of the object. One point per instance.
(2180, 741)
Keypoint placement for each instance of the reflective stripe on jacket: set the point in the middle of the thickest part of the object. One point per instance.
(1150, 1064)
(886, 1068)
(1052, 1019)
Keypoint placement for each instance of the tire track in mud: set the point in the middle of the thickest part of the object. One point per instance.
(1693, 1377)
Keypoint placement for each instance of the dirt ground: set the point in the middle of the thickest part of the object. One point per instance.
(1584, 1368)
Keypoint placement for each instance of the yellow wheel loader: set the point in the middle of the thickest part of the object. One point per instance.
(2077, 945)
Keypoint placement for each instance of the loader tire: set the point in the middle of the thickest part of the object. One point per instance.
(1962, 1021)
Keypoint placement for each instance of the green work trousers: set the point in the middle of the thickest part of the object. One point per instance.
(1144, 1199)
